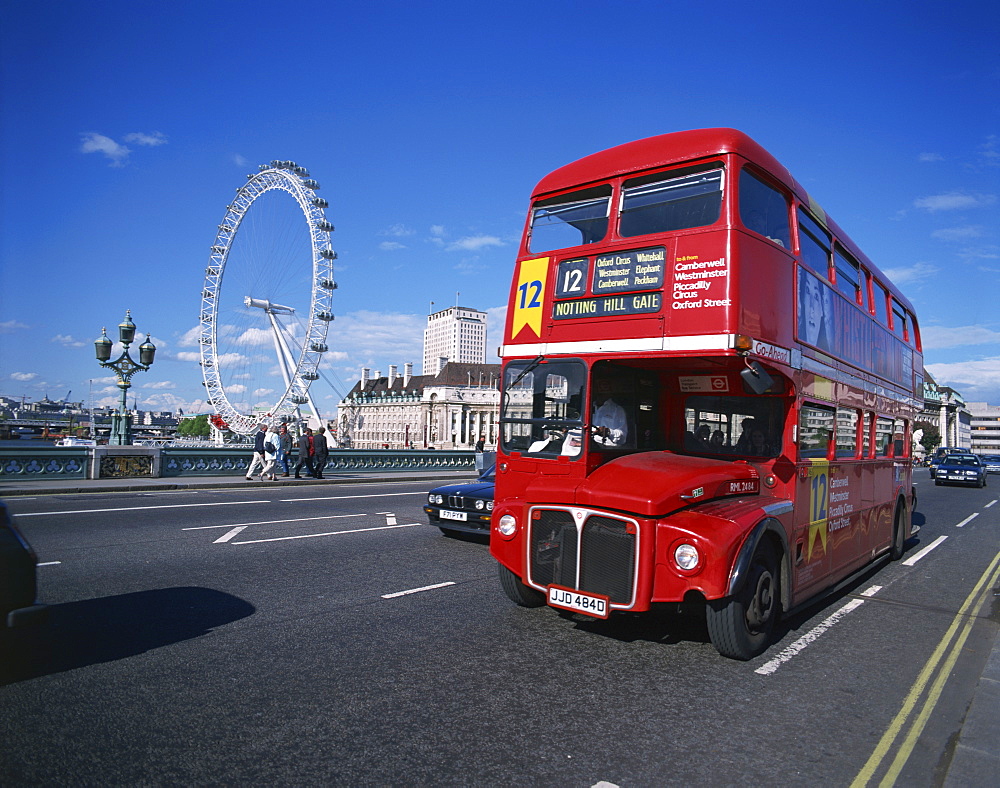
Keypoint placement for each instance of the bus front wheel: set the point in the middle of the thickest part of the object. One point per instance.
(740, 626)
(517, 592)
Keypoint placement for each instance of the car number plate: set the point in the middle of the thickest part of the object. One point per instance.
(588, 604)
(447, 514)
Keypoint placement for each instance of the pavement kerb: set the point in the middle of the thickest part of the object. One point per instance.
(87, 486)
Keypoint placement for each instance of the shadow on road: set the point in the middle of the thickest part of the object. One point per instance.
(115, 627)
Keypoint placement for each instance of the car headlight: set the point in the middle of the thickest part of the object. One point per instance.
(507, 525)
(489, 506)
(686, 556)
(480, 504)
(432, 498)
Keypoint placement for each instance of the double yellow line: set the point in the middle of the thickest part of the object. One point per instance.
(932, 680)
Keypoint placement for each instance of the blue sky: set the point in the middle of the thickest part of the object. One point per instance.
(128, 126)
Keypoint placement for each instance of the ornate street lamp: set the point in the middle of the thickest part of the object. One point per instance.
(125, 368)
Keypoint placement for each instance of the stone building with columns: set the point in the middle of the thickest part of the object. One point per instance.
(449, 410)
(945, 407)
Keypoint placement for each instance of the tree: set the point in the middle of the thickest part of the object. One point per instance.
(932, 435)
(196, 427)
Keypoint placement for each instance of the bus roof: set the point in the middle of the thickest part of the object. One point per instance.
(680, 146)
(660, 151)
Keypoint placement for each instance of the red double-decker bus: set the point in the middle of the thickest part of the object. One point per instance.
(708, 392)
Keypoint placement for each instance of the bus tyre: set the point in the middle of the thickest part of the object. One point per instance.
(740, 626)
(898, 532)
(518, 592)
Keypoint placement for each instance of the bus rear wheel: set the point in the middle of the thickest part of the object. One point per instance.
(517, 592)
(898, 533)
(740, 626)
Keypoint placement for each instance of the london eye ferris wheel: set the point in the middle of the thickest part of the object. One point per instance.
(266, 301)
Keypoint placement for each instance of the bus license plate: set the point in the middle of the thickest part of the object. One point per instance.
(588, 604)
(449, 515)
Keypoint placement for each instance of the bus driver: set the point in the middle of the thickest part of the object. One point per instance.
(610, 423)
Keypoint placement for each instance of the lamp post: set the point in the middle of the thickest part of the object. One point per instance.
(125, 368)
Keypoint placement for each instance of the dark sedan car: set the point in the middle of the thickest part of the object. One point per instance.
(463, 508)
(961, 469)
(18, 605)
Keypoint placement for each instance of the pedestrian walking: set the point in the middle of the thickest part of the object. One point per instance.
(305, 453)
(272, 445)
(322, 451)
(284, 448)
(480, 448)
(258, 453)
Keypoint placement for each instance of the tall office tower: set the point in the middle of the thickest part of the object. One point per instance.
(454, 334)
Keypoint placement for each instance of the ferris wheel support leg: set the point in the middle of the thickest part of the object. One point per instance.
(280, 348)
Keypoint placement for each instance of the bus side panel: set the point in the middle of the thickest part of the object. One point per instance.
(766, 289)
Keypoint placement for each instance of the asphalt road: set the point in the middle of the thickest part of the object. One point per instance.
(329, 636)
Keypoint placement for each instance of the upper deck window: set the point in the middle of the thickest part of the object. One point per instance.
(814, 242)
(848, 275)
(570, 219)
(670, 203)
(764, 209)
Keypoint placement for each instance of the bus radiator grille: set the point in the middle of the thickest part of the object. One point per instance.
(606, 551)
(553, 549)
(608, 559)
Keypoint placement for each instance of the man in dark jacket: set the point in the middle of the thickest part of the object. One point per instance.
(322, 452)
(258, 452)
(305, 453)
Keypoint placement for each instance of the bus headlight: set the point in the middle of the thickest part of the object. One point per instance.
(686, 556)
(507, 525)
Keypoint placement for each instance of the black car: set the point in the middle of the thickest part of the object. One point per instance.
(961, 469)
(18, 590)
(463, 508)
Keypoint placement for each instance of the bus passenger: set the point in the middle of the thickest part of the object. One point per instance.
(718, 442)
(743, 442)
(758, 444)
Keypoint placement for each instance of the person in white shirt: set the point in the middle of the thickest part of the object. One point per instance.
(610, 423)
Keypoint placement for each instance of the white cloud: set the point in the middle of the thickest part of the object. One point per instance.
(98, 143)
(958, 233)
(474, 243)
(398, 231)
(976, 381)
(10, 326)
(240, 161)
(67, 341)
(941, 337)
(990, 151)
(927, 157)
(913, 273)
(116, 152)
(951, 201)
(147, 140)
(190, 337)
(23, 377)
(160, 384)
(390, 246)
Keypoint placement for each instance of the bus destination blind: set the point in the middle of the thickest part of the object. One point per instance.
(615, 277)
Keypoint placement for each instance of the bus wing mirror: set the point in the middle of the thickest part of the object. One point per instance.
(756, 378)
